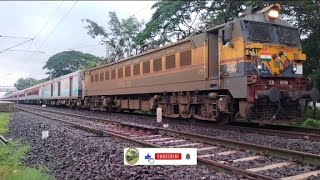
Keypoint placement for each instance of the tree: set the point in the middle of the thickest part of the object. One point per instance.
(171, 19)
(24, 83)
(121, 35)
(67, 62)
(90, 64)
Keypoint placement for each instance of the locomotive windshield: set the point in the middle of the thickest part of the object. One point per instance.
(271, 33)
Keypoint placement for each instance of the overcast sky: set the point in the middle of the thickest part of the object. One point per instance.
(27, 19)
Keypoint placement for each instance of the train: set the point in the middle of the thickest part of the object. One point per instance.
(249, 70)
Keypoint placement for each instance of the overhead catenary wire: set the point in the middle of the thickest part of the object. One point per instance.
(16, 45)
(54, 29)
(14, 37)
(21, 50)
(46, 23)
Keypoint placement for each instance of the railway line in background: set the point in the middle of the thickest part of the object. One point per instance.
(224, 155)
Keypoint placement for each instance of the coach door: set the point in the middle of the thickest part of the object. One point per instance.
(71, 86)
(213, 54)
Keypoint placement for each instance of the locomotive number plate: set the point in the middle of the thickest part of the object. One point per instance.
(271, 81)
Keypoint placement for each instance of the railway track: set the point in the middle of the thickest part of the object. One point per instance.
(312, 134)
(250, 160)
(302, 134)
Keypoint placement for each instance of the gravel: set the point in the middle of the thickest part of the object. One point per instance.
(233, 156)
(70, 153)
(205, 128)
(263, 161)
(288, 171)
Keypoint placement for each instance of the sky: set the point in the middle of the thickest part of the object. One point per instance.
(41, 19)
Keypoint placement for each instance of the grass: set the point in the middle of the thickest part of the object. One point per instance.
(309, 122)
(11, 167)
(4, 121)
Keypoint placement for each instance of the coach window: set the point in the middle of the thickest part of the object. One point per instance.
(92, 78)
(102, 76)
(146, 67)
(120, 73)
(170, 61)
(157, 64)
(96, 78)
(128, 71)
(136, 69)
(113, 74)
(107, 74)
(185, 58)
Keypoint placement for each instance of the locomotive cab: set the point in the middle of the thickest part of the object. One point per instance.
(262, 66)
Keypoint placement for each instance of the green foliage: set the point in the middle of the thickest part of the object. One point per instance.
(24, 83)
(311, 123)
(4, 120)
(29, 174)
(67, 62)
(11, 156)
(11, 167)
(171, 19)
(121, 35)
(91, 64)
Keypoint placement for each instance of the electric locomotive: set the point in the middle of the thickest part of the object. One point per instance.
(249, 69)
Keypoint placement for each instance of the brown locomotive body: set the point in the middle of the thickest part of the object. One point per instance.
(174, 78)
(250, 68)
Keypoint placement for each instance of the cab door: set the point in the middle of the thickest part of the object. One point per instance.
(213, 54)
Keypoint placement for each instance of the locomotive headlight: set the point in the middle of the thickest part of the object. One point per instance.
(294, 67)
(273, 14)
(259, 66)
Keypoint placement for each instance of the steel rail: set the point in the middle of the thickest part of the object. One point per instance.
(213, 164)
(287, 131)
(290, 134)
(279, 127)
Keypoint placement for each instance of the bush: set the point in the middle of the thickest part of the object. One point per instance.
(311, 123)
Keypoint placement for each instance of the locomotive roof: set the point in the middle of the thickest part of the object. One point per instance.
(257, 17)
(144, 53)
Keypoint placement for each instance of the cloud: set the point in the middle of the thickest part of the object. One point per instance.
(27, 18)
